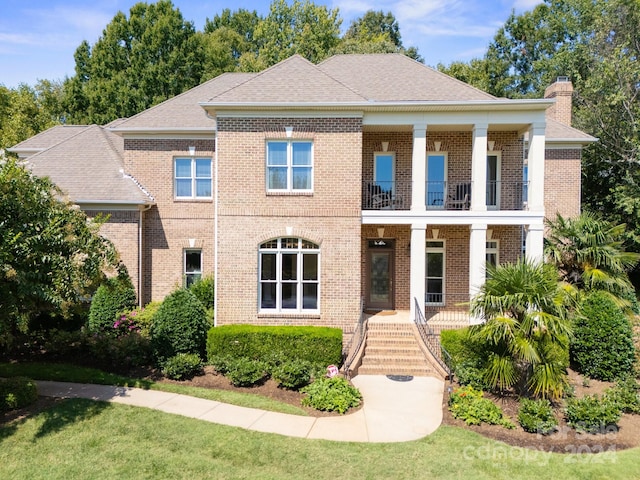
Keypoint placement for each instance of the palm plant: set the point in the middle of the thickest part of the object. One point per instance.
(589, 253)
(525, 329)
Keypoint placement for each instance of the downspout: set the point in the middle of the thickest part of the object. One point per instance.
(215, 234)
(140, 252)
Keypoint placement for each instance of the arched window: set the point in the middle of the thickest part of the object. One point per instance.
(289, 273)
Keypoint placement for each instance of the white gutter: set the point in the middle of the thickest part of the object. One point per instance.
(491, 104)
(215, 235)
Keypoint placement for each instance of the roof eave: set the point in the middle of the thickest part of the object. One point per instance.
(471, 105)
(180, 131)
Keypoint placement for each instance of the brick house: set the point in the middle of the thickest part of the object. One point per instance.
(310, 191)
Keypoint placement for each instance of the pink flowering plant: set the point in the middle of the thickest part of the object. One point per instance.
(126, 324)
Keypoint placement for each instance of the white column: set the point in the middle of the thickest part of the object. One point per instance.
(535, 160)
(477, 257)
(419, 168)
(534, 243)
(479, 168)
(418, 266)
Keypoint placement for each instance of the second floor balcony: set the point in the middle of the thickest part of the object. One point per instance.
(397, 195)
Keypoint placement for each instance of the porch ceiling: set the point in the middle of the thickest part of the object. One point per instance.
(518, 127)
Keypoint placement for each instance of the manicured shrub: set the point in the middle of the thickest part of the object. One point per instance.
(221, 363)
(118, 354)
(179, 326)
(467, 357)
(331, 394)
(536, 416)
(293, 374)
(318, 345)
(204, 290)
(602, 346)
(244, 372)
(468, 404)
(142, 317)
(114, 296)
(17, 392)
(625, 395)
(183, 366)
(592, 414)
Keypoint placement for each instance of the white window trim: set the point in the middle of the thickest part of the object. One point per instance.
(442, 250)
(184, 263)
(393, 168)
(290, 166)
(193, 179)
(498, 155)
(300, 282)
(493, 250)
(445, 179)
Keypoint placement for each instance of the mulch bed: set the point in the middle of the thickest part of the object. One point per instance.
(565, 439)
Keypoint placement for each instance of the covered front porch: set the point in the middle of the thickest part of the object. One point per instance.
(441, 265)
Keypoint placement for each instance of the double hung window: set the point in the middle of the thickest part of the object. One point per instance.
(289, 275)
(289, 166)
(193, 178)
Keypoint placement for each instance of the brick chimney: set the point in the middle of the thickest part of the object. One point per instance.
(561, 90)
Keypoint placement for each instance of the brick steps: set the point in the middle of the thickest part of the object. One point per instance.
(393, 349)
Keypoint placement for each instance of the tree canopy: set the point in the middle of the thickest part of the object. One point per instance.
(51, 255)
(138, 62)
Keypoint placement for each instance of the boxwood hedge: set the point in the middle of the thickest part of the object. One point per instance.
(317, 345)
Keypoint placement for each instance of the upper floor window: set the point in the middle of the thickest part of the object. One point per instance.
(290, 166)
(193, 178)
(289, 275)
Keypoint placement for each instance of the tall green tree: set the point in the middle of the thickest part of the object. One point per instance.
(375, 32)
(26, 111)
(226, 39)
(50, 254)
(300, 28)
(525, 329)
(139, 61)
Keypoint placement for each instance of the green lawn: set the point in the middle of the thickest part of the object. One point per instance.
(81, 439)
(72, 373)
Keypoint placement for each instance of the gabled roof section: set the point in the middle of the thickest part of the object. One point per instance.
(88, 167)
(182, 112)
(396, 77)
(293, 80)
(558, 132)
(46, 139)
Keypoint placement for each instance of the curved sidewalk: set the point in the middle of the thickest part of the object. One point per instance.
(393, 411)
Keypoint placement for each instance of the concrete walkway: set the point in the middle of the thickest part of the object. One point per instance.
(393, 411)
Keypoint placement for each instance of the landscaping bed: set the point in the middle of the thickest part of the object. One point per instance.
(565, 439)
(268, 389)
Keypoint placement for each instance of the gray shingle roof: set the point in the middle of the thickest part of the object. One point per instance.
(396, 77)
(293, 80)
(183, 111)
(88, 167)
(558, 131)
(46, 139)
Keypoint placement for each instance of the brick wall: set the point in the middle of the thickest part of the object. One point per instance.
(122, 230)
(171, 225)
(329, 216)
(562, 182)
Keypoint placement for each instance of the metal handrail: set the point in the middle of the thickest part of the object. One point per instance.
(432, 341)
(358, 336)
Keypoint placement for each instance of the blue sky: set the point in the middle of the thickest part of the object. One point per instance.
(38, 37)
